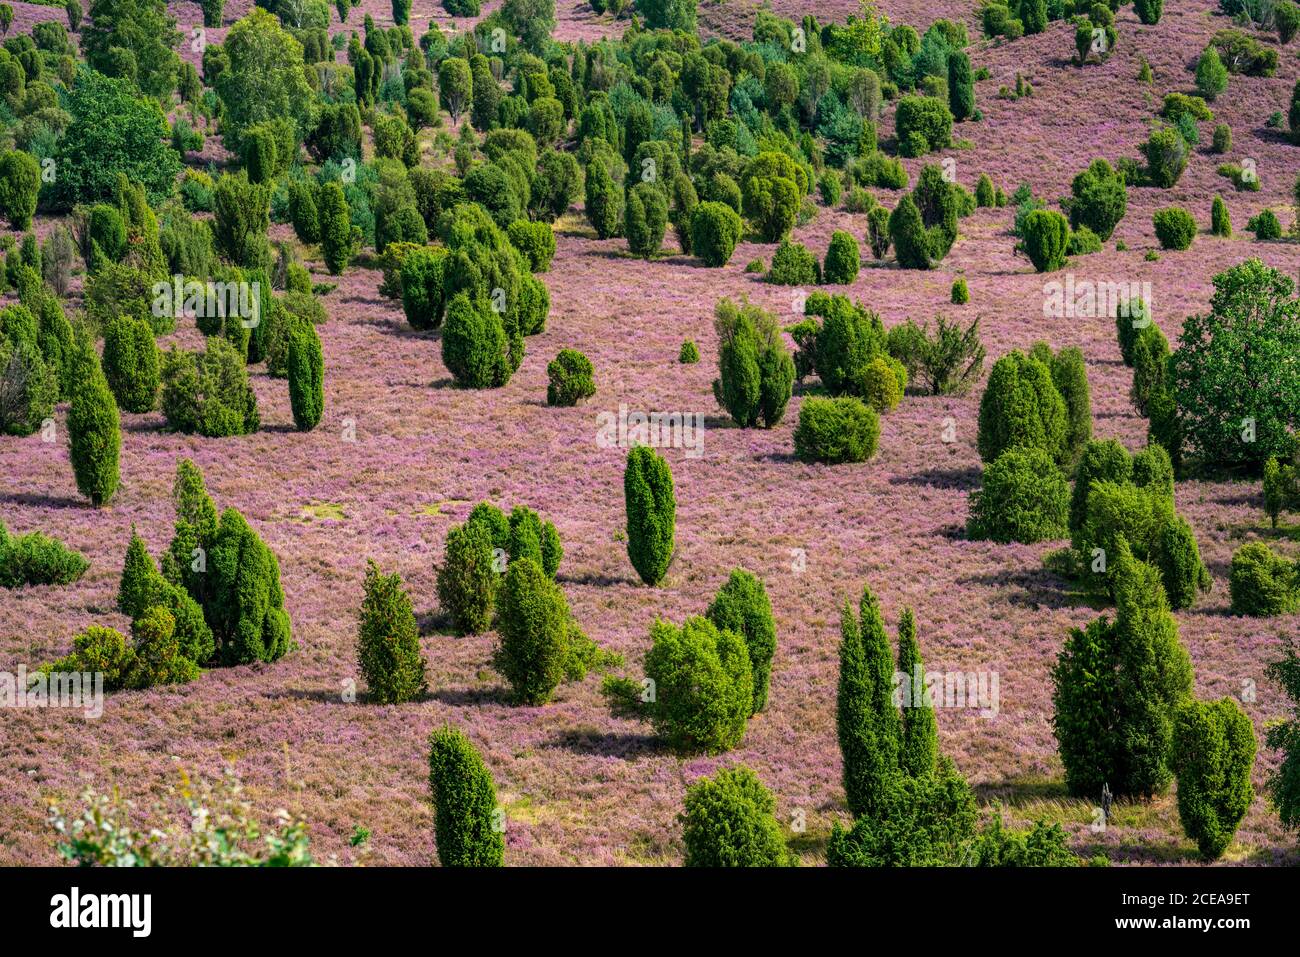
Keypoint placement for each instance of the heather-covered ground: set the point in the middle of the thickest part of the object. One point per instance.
(579, 786)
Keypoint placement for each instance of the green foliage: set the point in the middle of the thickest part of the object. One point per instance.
(742, 606)
(867, 721)
(755, 370)
(1166, 153)
(266, 81)
(946, 362)
(422, 281)
(1117, 687)
(95, 435)
(1023, 498)
(1220, 224)
(245, 605)
(529, 537)
(836, 430)
(918, 748)
(1175, 227)
(1022, 408)
(1099, 199)
(689, 353)
(925, 821)
(535, 240)
(208, 393)
(339, 239)
(1265, 226)
(645, 218)
(112, 132)
(922, 124)
(35, 559)
(131, 363)
(1211, 74)
(715, 230)
(535, 627)
(1150, 362)
(1046, 239)
(702, 685)
(843, 260)
(651, 508)
(1213, 756)
(960, 293)
(467, 577)
(243, 211)
(474, 344)
(569, 377)
(20, 182)
(306, 368)
(464, 803)
(793, 264)
(1229, 367)
(729, 820)
(1262, 583)
(1283, 783)
(604, 200)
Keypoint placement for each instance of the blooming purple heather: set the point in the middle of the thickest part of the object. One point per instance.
(403, 453)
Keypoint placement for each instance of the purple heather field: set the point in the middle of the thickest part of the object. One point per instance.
(580, 787)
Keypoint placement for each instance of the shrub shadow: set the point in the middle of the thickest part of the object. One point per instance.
(607, 744)
(463, 697)
(43, 500)
(1036, 589)
(959, 479)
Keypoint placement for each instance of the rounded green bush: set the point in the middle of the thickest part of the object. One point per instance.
(689, 353)
(20, 183)
(793, 264)
(95, 437)
(742, 606)
(569, 377)
(1047, 239)
(645, 219)
(464, 797)
(1265, 226)
(1022, 407)
(1262, 583)
(474, 344)
(246, 603)
(651, 507)
(1023, 498)
(1213, 755)
(422, 277)
(843, 260)
(388, 640)
(529, 537)
(837, 430)
(468, 576)
(960, 291)
(702, 683)
(535, 240)
(882, 383)
(209, 393)
(306, 367)
(715, 230)
(1175, 227)
(729, 820)
(533, 625)
(1220, 223)
(922, 124)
